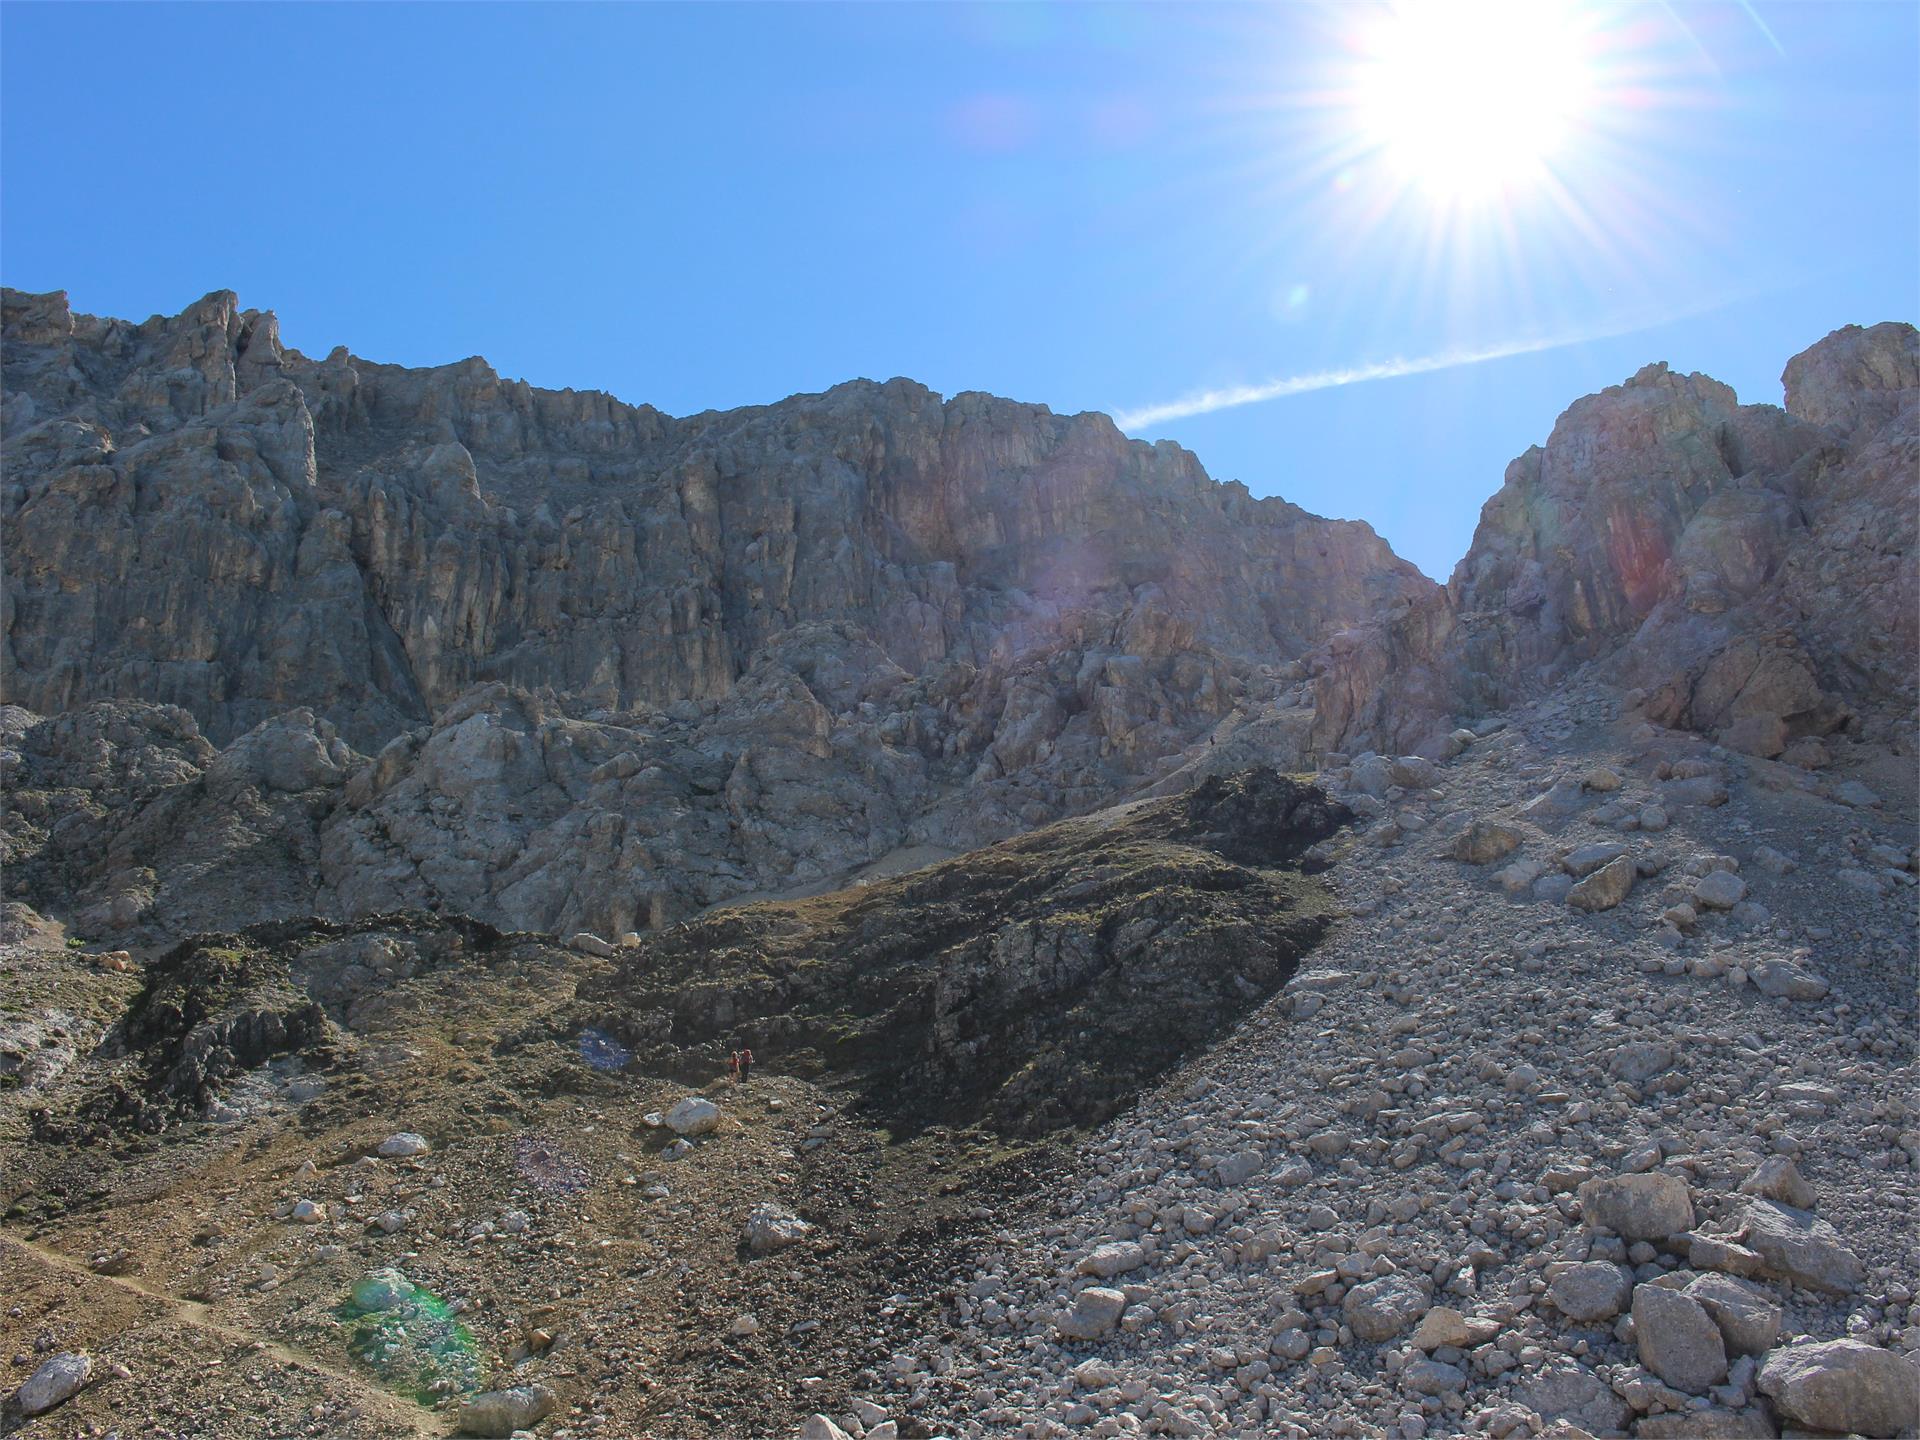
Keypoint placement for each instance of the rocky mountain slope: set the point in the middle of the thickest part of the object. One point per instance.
(1207, 979)
(559, 662)
(794, 638)
(926, 1040)
(1592, 1113)
(1595, 1117)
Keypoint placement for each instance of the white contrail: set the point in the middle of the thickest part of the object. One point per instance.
(1207, 401)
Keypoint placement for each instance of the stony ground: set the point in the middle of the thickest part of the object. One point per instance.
(236, 1276)
(1409, 1124)
(1370, 1210)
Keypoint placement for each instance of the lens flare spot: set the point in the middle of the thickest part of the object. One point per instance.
(409, 1337)
(601, 1050)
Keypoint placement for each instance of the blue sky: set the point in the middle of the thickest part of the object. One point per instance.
(1094, 207)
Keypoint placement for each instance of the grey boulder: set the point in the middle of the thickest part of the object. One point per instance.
(771, 1228)
(1107, 1261)
(498, 1413)
(1798, 1245)
(57, 1381)
(1096, 1310)
(1483, 842)
(1778, 1178)
(1595, 1290)
(694, 1115)
(1784, 980)
(1381, 1309)
(1605, 887)
(1748, 1320)
(1846, 1386)
(1640, 1207)
(1677, 1339)
(1720, 890)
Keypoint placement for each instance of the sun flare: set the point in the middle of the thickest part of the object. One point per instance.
(1465, 97)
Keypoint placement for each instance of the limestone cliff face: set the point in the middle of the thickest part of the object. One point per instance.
(343, 637)
(198, 516)
(614, 666)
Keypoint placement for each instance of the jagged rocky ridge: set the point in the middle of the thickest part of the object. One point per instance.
(1749, 569)
(558, 662)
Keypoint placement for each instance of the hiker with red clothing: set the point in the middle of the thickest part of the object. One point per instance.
(746, 1064)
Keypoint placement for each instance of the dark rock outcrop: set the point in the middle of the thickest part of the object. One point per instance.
(217, 1006)
(1032, 984)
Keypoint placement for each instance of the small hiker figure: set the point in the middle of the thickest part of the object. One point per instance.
(733, 1067)
(746, 1064)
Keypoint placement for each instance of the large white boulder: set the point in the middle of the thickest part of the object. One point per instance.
(694, 1115)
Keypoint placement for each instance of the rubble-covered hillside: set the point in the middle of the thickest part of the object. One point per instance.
(1200, 977)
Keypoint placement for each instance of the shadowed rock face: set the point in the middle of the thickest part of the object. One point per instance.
(505, 810)
(1034, 984)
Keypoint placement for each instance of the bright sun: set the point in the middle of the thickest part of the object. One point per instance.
(1468, 97)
